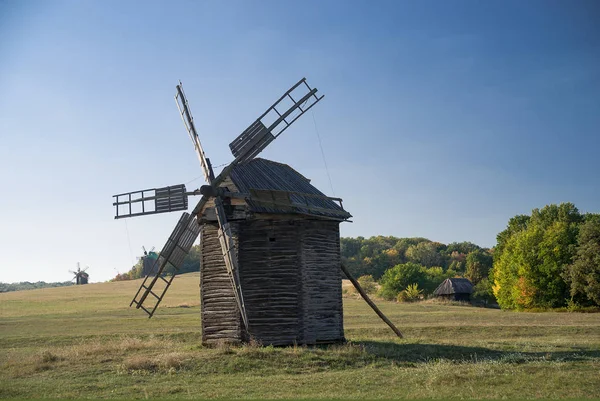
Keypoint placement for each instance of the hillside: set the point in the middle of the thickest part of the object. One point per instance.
(84, 341)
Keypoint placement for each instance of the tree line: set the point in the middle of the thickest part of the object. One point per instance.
(397, 263)
(549, 259)
(26, 285)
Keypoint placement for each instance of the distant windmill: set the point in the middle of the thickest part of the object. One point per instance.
(81, 277)
(149, 261)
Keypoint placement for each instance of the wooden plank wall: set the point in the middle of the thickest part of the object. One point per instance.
(291, 283)
(221, 320)
(322, 282)
(269, 273)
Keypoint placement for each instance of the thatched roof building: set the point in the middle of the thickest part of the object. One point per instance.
(457, 289)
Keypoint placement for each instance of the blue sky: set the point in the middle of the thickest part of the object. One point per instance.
(441, 119)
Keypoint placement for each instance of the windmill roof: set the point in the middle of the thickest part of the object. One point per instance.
(454, 286)
(288, 188)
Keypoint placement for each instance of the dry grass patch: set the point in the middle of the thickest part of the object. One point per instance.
(93, 352)
(168, 362)
(139, 363)
(122, 345)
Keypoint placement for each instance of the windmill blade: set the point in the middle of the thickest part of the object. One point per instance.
(151, 249)
(151, 201)
(230, 257)
(252, 141)
(262, 132)
(87, 267)
(144, 248)
(177, 247)
(188, 122)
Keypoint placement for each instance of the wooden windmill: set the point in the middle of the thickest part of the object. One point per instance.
(148, 261)
(270, 264)
(81, 277)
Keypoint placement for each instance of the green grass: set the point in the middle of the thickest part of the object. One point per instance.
(85, 342)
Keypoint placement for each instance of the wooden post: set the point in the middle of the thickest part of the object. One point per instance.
(368, 300)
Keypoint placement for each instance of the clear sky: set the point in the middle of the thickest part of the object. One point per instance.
(441, 119)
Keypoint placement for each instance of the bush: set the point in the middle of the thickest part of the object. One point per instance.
(367, 283)
(413, 292)
(399, 277)
(410, 294)
(387, 293)
(483, 291)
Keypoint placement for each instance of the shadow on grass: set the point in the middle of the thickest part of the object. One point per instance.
(403, 353)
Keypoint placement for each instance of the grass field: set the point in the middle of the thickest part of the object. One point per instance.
(84, 342)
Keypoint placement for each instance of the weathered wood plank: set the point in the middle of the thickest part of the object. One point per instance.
(221, 320)
(291, 282)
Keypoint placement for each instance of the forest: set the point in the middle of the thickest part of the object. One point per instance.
(549, 259)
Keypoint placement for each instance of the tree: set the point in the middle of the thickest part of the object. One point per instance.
(373, 256)
(515, 225)
(583, 275)
(426, 254)
(478, 264)
(461, 248)
(399, 277)
(531, 256)
(483, 291)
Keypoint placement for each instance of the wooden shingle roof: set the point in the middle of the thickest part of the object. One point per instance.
(289, 191)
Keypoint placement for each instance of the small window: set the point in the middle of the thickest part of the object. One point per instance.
(271, 239)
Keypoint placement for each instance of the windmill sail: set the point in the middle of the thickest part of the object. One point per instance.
(151, 201)
(188, 121)
(274, 121)
(177, 247)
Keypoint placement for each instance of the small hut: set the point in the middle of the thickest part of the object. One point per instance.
(455, 289)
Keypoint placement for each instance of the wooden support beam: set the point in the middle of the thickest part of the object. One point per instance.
(368, 300)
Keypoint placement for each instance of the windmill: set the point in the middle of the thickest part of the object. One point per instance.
(81, 277)
(148, 261)
(270, 264)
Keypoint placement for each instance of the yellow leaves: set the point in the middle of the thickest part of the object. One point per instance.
(496, 289)
(525, 293)
(392, 253)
